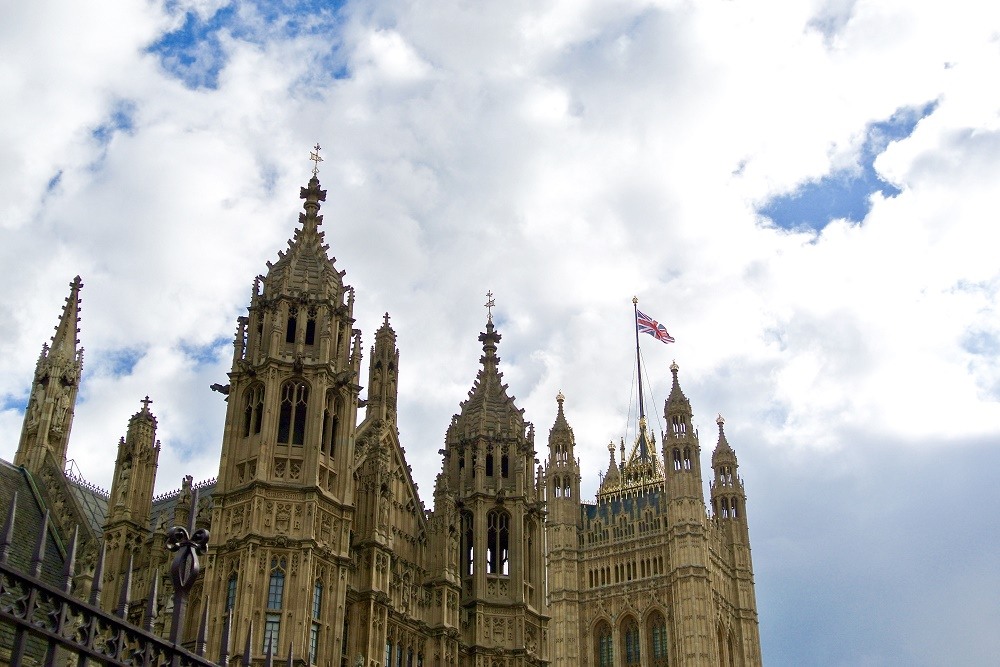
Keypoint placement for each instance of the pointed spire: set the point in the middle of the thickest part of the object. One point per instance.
(64, 341)
(677, 396)
(723, 453)
(723, 444)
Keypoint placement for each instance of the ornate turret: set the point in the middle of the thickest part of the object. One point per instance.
(562, 471)
(135, 469)
(490, 466)
(127, 524)
(383, 385)
(728, 497)
(49, 416)
(681, 451)
(286, 475)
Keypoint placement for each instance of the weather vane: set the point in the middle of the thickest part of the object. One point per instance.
(489, 305)
(314, 156)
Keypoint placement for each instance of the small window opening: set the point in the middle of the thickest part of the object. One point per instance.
(311, 331)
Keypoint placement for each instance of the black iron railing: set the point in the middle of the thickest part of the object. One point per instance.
(50, 626)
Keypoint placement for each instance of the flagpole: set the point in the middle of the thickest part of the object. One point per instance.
(638, 362)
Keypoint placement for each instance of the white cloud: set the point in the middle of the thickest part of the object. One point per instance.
(565, 156)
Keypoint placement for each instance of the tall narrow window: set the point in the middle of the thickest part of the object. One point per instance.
(605, 646)
(630, 632)
(497, 542)
(276, 584)
(656, 630)
(468, 543)
(292, 413)
(504, 466)
(231, 592)
(489, 465)
(311, 329)
(313, 642)
(388, 653)
(253, 410)
(292, 324)
(275, 595)
(317, 598)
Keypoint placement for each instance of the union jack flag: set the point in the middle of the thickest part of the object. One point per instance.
(647, 324)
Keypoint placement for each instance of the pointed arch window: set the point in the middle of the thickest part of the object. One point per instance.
(290, 330)
(679, 425)
(656, 631)
(275, 597)
(468, 543)
(231, 592)
(497, 542)
(504, 465)
(292, 412)
(630, 637)
(604, 647)
(311, 327)
(253, 410)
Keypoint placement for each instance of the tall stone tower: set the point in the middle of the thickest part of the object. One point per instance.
(737, 632)
(49, 416)
(687, 538)
(562, 490)
(284, 502)
(490, 467)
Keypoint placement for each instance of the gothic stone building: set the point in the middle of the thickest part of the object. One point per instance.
(321, 546)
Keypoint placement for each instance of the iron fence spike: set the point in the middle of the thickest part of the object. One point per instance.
(39, 557)
(70, 563)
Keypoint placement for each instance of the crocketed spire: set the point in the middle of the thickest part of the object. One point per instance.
(723, 452)
(488, 401)
(64, 341)
(305, 266)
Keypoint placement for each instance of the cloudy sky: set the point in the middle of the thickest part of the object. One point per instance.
(803, 192)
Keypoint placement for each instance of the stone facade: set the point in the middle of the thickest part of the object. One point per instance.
(322, 547)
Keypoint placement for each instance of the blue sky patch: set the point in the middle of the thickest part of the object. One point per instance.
(206, 354)
(846, 193)
(17, 403)
(194, 53)
(122, 361)
(120, 120)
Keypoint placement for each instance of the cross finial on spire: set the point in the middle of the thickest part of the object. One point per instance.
(314, 156)
(145, 403)
(490, 303)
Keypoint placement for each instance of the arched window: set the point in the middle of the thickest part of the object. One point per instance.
(604, 645)
(497, 542)
(677, 458)
(231, 592)
(275, 595)
(311, 327)
(468, 543)
(292, 414)
(731, 645)
(679, 425)
(504, 466)
(293, 313)
(317, 598)
(656, 632)
(489, 464)
(630, 638)
(687, 458)
(253, 410)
